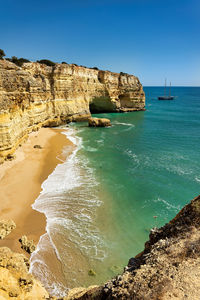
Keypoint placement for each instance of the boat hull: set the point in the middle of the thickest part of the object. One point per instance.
(166, 98)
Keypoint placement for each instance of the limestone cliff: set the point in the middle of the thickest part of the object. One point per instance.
(36, 95)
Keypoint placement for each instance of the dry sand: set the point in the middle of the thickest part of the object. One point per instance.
(21, 179)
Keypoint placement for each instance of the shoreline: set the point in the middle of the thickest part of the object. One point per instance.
(18, 193)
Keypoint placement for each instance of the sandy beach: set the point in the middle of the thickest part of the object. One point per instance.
(21, 179)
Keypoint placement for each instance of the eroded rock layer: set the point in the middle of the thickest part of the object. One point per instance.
(37, 95)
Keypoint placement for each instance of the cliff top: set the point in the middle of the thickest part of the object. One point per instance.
(9, 65)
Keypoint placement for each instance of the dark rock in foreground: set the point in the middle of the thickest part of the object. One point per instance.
(27, 245)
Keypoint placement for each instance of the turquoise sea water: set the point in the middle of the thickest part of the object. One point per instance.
(133, 176)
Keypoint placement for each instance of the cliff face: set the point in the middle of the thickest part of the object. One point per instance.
(37, 95)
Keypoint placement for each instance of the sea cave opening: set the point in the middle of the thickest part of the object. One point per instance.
(101, 104)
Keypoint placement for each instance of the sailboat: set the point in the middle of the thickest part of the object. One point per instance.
(166, 97)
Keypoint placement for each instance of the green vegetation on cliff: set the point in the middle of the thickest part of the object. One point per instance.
(2, 54)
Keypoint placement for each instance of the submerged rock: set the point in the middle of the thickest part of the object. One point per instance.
(6, 226)
(91, 272)
(27, 245)
(98, 122)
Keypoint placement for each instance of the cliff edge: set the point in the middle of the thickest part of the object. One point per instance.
(36, 95)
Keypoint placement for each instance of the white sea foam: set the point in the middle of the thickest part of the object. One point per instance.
(39, 267)
(100, 141)
(69, 201)
(180, 170)
(173, 163)
(167, 204)
(197, 179)
(132, 155)
(90, 149)
(124, 124)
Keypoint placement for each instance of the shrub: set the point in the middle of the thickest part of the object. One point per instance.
(95, 68)
(46, 62)
(64, 63)
(19, 61)
(2, 54)
(122, 73)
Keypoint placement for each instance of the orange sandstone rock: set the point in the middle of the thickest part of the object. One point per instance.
(99, 122)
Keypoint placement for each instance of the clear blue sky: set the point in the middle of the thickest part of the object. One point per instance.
(152, 39)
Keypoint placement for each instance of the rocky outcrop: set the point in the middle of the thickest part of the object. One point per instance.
(27, 245)
(15, 281)
(98, 122)
(36, 95)
(6, 226)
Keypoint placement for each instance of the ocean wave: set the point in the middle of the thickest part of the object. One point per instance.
(69, 201)
(124, 124)
(172, 162)
(100, 141)
(128, 126)
(167, 205)
(197, 179)
(132, 155)
(90, 149)
(44, 270)
(178, 170)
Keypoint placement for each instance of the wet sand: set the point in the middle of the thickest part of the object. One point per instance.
(21, 179)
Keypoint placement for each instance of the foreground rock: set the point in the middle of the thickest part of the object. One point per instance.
(6, 226)
(15, 281)
(99, 122)
(27, 245)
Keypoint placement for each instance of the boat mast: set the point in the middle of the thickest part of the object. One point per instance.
(165, 85)
(170, 89)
